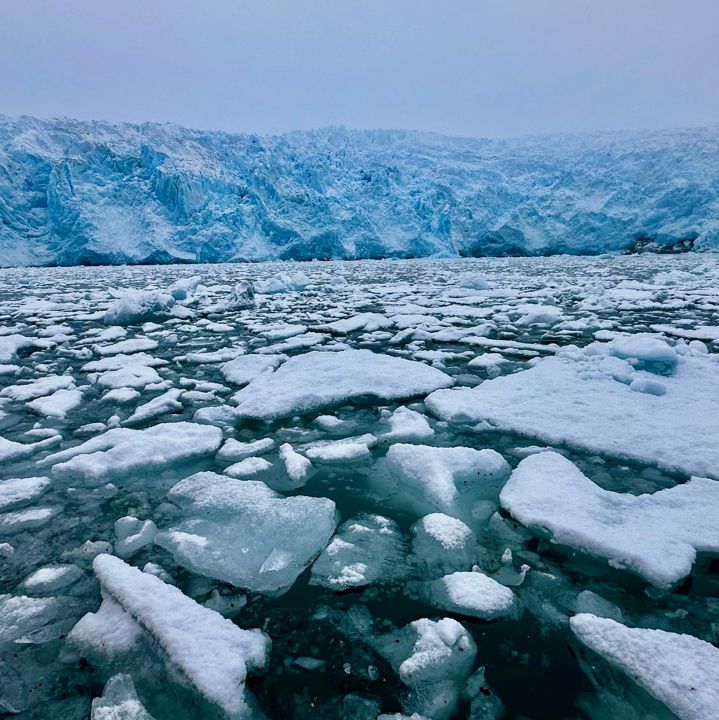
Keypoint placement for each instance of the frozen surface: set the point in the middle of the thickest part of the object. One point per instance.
(471, 593)
(405, 552)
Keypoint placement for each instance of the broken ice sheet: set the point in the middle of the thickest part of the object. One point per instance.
(94, 479)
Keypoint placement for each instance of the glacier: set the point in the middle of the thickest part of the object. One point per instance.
(95, 193)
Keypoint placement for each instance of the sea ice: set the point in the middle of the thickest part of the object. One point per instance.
(471, 593)
(366, 549)
(433, 659)
(244, 533)
(211, 653)
(447, 479)
(656, 535)
(571, 400)
(318, 380)
(119, 701)
(681, 671)
(121, 451)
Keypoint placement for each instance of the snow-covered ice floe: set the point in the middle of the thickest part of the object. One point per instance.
(655, 535)
(602, 403)
(320, 380)
(208, 651)
(678, 670)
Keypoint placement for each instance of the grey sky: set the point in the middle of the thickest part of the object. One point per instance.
(482, 68)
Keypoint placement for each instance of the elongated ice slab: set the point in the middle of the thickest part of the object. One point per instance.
(680, 671)
(122, 450)
(213, 654)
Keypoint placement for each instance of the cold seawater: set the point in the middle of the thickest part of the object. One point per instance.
(459, 488)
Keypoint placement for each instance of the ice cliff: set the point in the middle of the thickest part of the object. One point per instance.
(75, 192)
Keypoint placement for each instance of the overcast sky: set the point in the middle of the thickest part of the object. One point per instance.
(477, 67)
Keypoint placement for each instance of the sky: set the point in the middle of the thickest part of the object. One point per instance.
(483, 68)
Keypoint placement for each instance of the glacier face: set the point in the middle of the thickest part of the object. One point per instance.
(75, 192)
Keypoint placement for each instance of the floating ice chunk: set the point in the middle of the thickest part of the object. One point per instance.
(11, 450)
(16, 492)
(183, 288)
(133, 534)
(678, 670)
(244, 533)
(21, 615)
(33, 518)
(319, 380)
(297, 342)
(571, 401)
(298, 467)
(126, 347)
(105, 634)
(122, 450)
(490, 362)
(367, 322)
(366, 549)
(12, 346)
(538, 315)
(484, 704)
(168, 402)
(248, 468)
(472, 280)
(130, 376)
(407, 425)
(282, 331)
(121, 395)
(222, 355)
(135, 307)
(645, 352)
(87, 552)
(117, 362)
(119, 701)
(234, 450)
(228, 604)
(441, 476)
(345, 450)
(246, 368)
(471, 593)
(444, 543)
(699, 332)
(656, 535)
(211, 653)
(241, 297)
(51, 579)
(57, 405)
(589, 602)
(283, 282)
(433, 659)
(38, 388)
